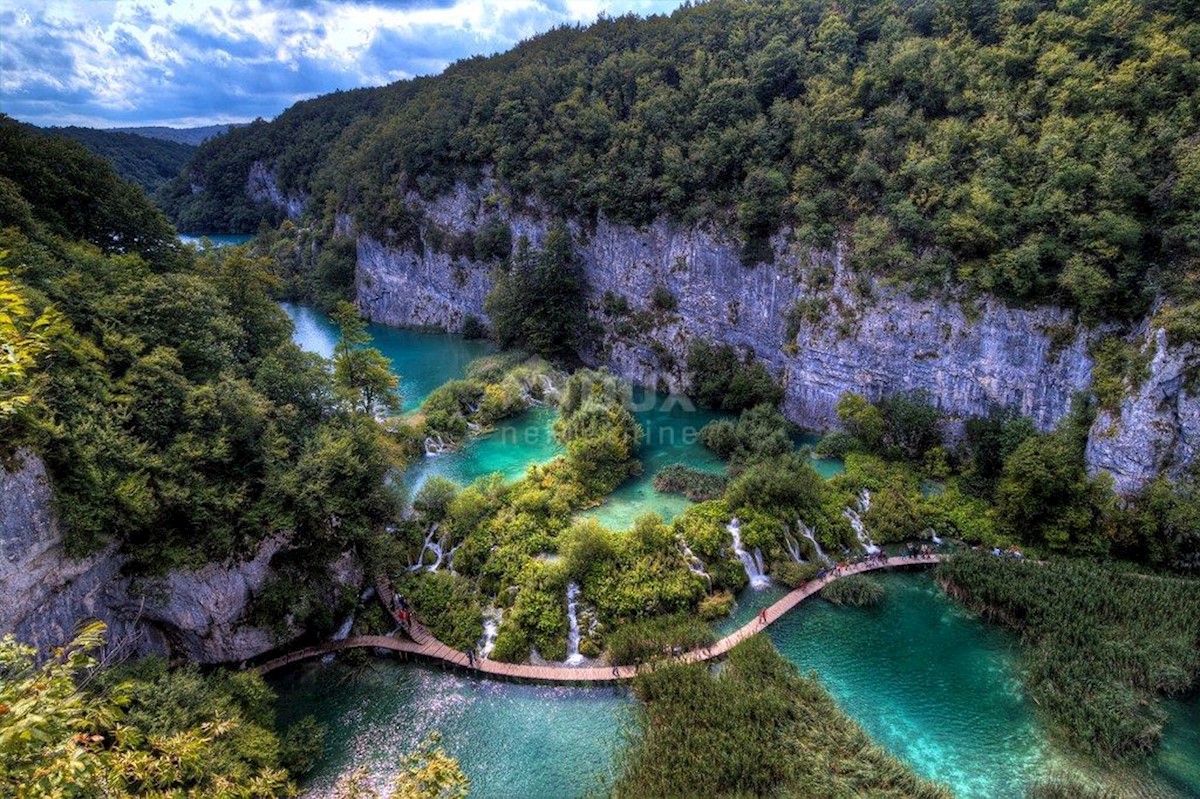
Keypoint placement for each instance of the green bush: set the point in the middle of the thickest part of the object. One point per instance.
(792, 574)
(718, 378)
(694, 484)
(661, 637)
(855, 590)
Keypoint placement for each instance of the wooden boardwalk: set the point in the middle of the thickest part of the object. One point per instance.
(422, 644)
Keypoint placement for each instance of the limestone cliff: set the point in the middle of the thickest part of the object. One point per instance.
(193, 614)
(820, 327)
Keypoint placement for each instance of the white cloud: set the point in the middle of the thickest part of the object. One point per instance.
(187, 62)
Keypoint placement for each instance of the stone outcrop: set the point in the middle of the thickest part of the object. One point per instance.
(821, 328)
(1156, 430)
(197, 614)
(263, 187)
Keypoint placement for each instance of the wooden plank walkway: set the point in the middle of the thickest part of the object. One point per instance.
(422, 644)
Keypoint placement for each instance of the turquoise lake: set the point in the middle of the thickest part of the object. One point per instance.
(928, 681)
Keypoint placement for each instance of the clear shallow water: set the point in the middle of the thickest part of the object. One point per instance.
(509, 450)
(929, 682)
(423, 360)
(216, 239)
(513, 741)
(932, 684)
(672, 425)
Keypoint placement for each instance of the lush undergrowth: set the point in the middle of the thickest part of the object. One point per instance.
(656, 638)
(754, 728)
(1101, 644)
(855, 590)
(694, 484)
(141, 729)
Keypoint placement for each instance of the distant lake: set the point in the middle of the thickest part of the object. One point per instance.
(216, 239)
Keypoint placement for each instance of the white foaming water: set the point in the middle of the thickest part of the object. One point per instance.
(854, 516)
(793, 548)
(694, 564)
(573, 656)
(807, 532)
(341, 634)
(429, 546)
(753, 564)
(491, 626)
(436, 445)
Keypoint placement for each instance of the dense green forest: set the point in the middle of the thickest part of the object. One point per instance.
(162, 388)
(1040, 150)
(140, 160)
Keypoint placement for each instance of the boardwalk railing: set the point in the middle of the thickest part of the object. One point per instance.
(423, 644)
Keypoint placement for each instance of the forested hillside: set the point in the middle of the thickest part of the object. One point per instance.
(161, 387)
(1040, 150)
(141, 160)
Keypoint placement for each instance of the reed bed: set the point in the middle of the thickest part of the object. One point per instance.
(1100, 645)
(754, 728)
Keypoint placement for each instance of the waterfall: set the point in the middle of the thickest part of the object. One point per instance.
(341, 634)
(475, 427)
(793, 548)
(753, 564)
(694, 564)
(573, 656)
(491, 626)
(429, 546)
(854, 516)
(435, 445)
(450, 558)
(807, 532)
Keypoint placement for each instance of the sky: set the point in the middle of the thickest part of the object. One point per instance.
(183, 63)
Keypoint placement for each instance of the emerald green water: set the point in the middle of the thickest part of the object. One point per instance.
(513, 741)
(930, 683)
(423, 360)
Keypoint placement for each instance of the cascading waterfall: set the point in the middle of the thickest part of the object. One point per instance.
(854, 516)
(753, 564)
(435, 445)
(491, 626)
(793, 548)
(450, 558)
(694, 564)
(573, 656)
(807, 532)
(429, 546)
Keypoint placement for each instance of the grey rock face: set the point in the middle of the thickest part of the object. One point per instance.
(194, 614)
(45, 593)
(862, 336)
(262, 186)
(1157, 428)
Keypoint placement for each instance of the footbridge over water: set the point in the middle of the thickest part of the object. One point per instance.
(421, 643)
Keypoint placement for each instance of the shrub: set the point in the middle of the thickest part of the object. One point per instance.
(718, 378)
(716, 606)
(792, 574)
(694, 484)
(855, 590)
(650, 639)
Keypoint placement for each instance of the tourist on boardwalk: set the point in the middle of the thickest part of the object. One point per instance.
(471, 657)
(762, 617)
